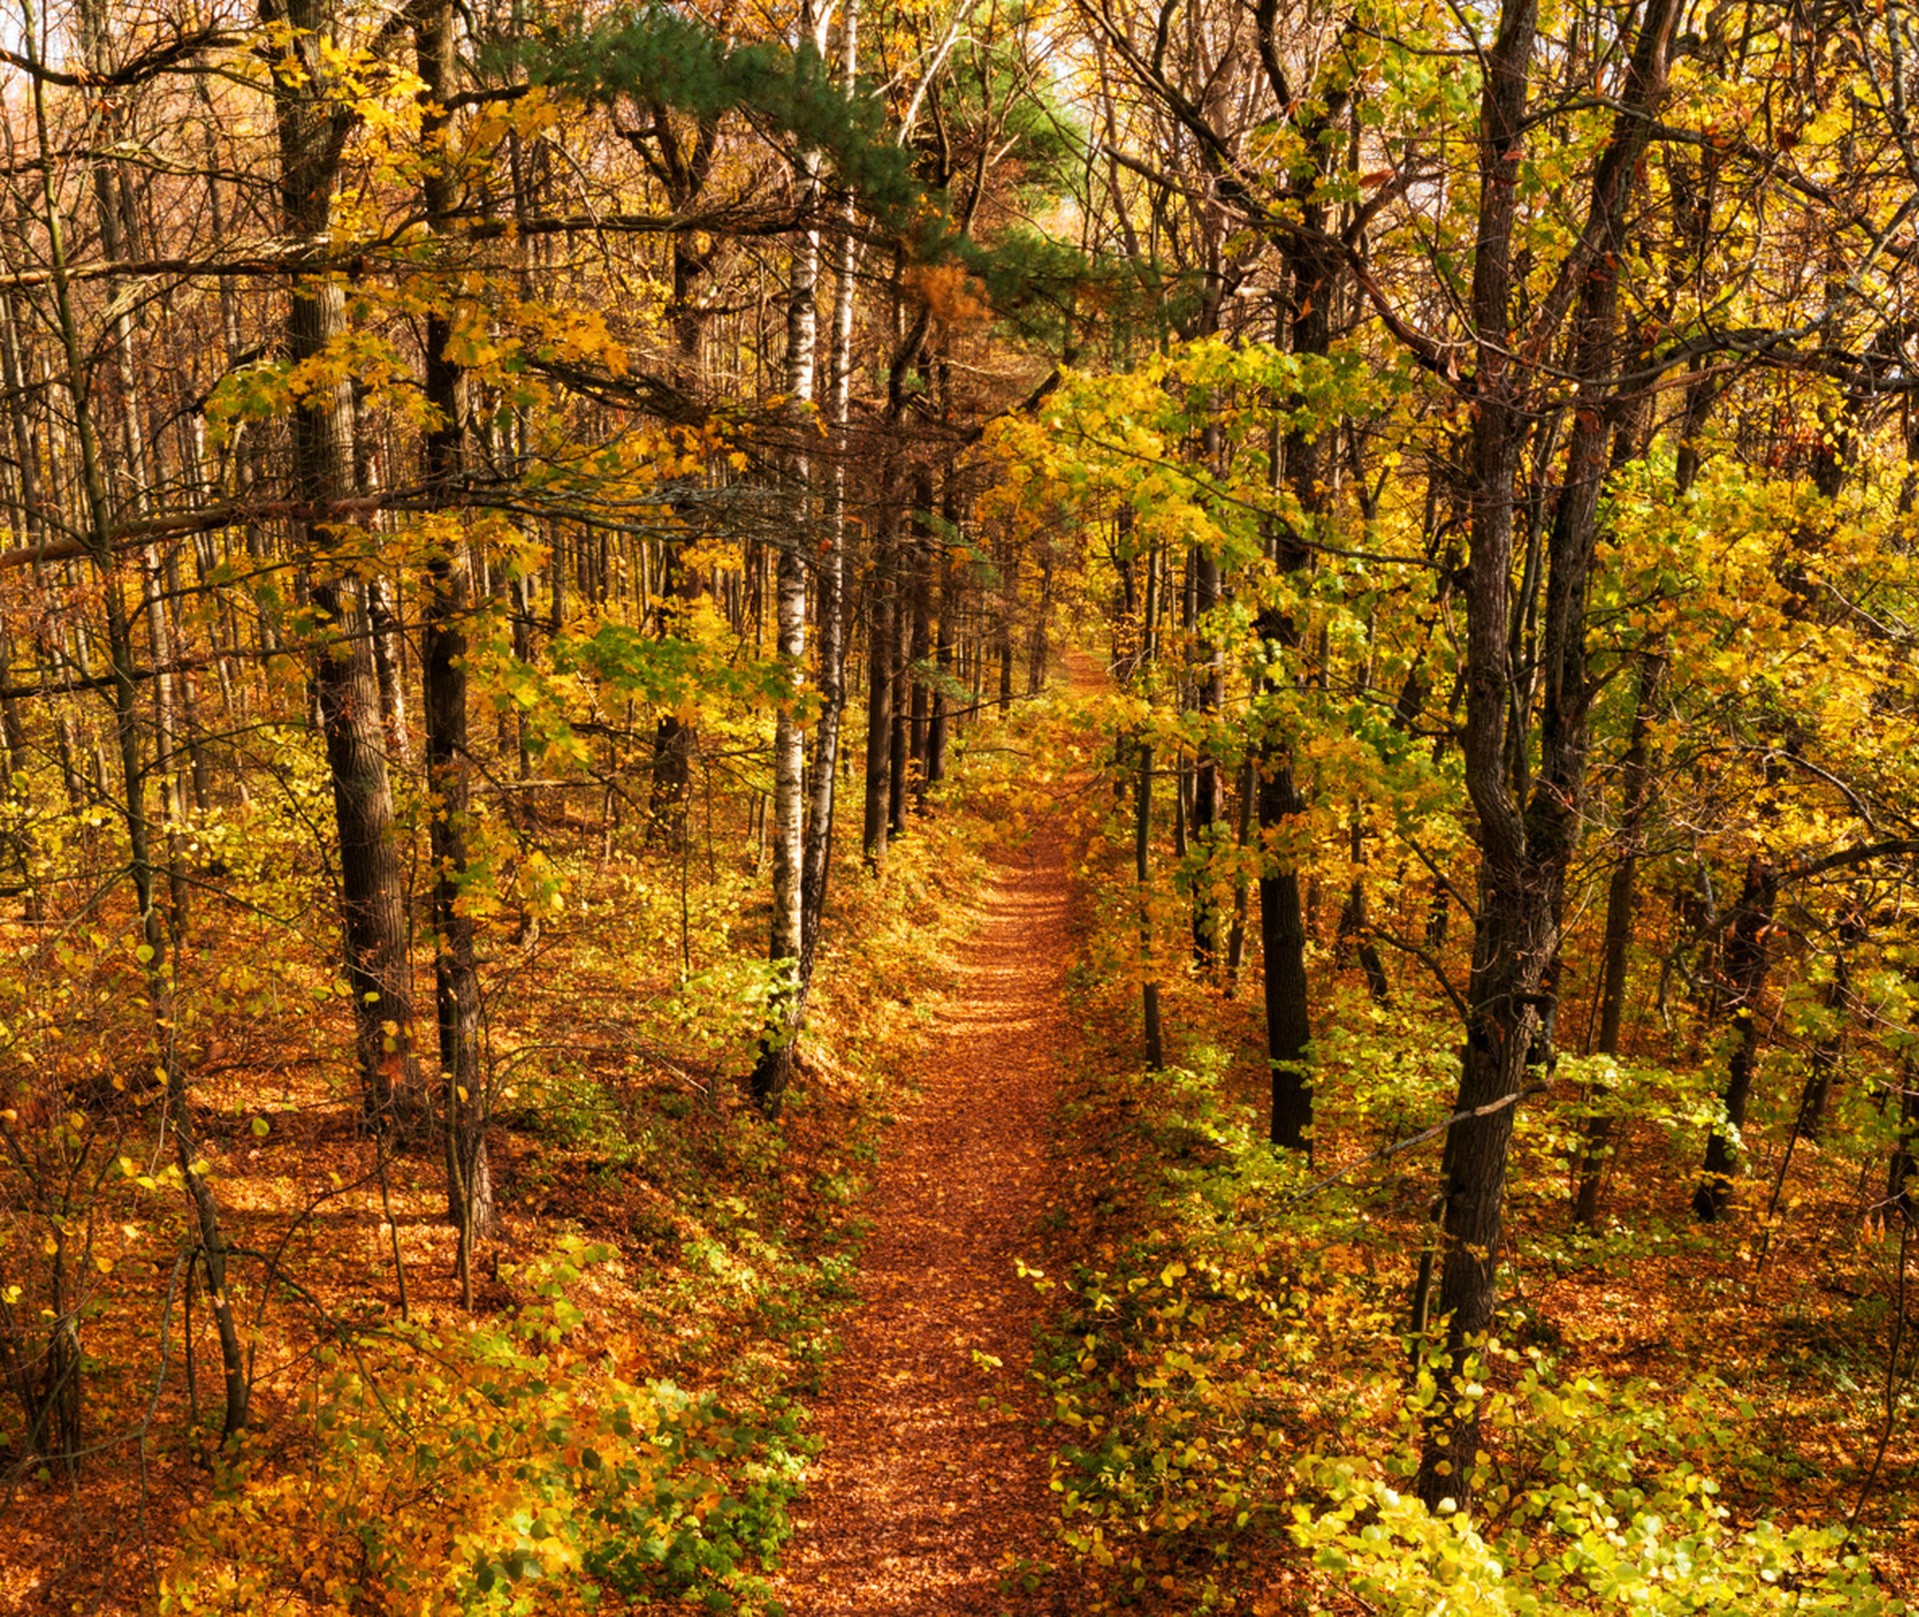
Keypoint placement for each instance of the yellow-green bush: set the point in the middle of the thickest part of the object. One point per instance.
(1599, 1503)
(493, 1471)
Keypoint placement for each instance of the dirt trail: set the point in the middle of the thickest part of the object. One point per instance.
(920, 1492)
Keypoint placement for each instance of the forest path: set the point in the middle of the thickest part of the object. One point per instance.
(920, 1492)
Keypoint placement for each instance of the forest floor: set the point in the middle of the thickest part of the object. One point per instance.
(729, 1246)
(931, 1497)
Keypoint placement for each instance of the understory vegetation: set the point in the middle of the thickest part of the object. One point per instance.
(1233, 1366)
(623, 1416)
(1238, 1394)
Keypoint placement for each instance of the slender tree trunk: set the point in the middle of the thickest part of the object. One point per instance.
(1242, 835)
(156, 966)
(1210, 687)
(383, 622)
(168, 759)
(24, 517)
(1747, 962)
(465, 1092)
(921, 646)
(1142, 861)
(879, 681)
(937, 723)
(779, 1049)
(831, 585)
(1636, 783)
(1902, 1168)
(1816, 1099)
(15, 804)
(675, 740)
(1003, 634)
(900, 741)
(1040, 647)
(1353, 937)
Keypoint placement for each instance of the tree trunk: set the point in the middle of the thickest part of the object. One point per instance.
(938, 722)
(1816, 1099)
(1527, 830)
(779, 1048)
(1353, 939)
(1040, 647)
(675, 739)
(1296, 462)
(1003, 632)
(831, 587)
(373, 892)
(1282, 938)
(1142, 861)
(389, 664)
(880, 619)
(1636, 785)
(900, 739)
(1210, 686)
(1747, 961)
(921, 646)
(466, 1093)
(1242, 834)
(1282, 917)
(1902, 1169)
(373, 901)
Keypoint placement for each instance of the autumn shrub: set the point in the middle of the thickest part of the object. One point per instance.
(1601, 1501)
(1232, 1385)
(1187, 1344)
(498, 1469)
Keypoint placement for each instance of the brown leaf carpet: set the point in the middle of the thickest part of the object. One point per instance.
(921, 1496)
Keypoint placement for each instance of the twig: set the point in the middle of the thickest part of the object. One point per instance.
(1892, 1373)
(1429, 961)
(1398, 1148)
(153, 1404)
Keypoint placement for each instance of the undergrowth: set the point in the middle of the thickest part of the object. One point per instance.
(1238, 1407)
(497, 1469)
(625, 1420)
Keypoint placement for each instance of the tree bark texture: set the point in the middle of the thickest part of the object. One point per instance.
(779, 1049)
(1527, 831)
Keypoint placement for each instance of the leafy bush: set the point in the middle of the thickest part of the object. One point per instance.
(1230, 1378)
(494, 1471)
(1600, 1505)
